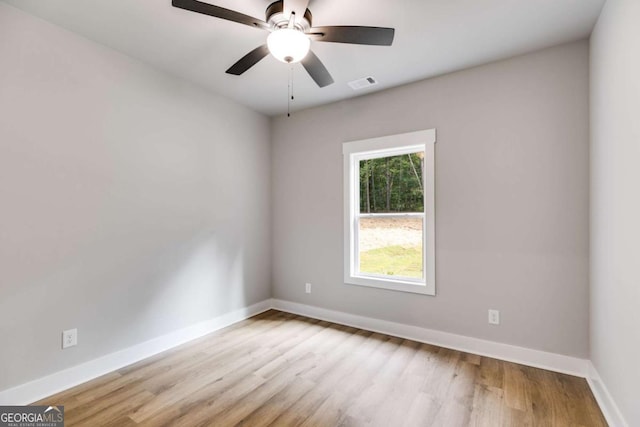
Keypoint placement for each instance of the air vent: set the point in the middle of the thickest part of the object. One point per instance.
(363, 83)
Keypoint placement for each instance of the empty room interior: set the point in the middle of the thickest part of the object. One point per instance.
(320, 213)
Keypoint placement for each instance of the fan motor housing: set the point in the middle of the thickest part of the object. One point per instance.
(276, 19)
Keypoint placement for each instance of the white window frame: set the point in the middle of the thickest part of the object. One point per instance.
(386, 146)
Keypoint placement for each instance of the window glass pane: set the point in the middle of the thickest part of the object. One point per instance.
(392, 184)
(388, 245)
(391, 246)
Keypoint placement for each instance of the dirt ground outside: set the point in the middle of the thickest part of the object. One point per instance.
(380, 232)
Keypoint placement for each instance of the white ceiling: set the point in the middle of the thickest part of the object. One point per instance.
(432, 37)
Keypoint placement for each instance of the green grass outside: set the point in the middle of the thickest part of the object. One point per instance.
(393, 261)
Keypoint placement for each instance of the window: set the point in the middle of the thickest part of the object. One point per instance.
(389, 219)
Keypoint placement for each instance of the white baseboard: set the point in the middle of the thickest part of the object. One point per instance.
(608, 406)
(525, 356)
(62, 380)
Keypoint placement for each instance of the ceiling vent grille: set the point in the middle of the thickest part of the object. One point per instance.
(363, 83)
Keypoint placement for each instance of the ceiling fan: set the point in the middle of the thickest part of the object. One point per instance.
(289, 22)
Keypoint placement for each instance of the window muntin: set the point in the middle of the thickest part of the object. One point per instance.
(390, 243)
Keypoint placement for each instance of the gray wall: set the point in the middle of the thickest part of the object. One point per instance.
(615, 203)
(131, 204)
(512, 194)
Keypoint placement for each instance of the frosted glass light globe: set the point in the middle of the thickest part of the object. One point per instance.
(288, 45)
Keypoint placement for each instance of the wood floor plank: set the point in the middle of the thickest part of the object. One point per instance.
(278, 404)
(331, 376)
(491, 372)
(373, 399)
(110, 402)
(236, 391)
(422, 411)
(487, 407)
(271, 384)
(516, 393)
(280, 369)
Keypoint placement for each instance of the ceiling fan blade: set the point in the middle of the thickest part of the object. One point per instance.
(317, 70)
(219, 12)
(249, 60)
(377, 36)
(297, 6)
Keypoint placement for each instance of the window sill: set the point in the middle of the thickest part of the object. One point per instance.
(391, 284)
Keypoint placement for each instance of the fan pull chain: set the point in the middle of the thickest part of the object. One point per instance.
(290, 91)
(292, 98)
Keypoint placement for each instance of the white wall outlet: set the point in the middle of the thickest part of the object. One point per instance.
(69, 338)
(307, 288)
(494, 317)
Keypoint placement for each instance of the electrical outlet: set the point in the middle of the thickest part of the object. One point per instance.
(307, 288)
(69, 338)
(494, 317)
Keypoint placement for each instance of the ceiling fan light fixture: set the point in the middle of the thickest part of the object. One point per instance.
(288, 45)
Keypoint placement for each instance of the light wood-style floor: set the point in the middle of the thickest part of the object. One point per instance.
(279, 369)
